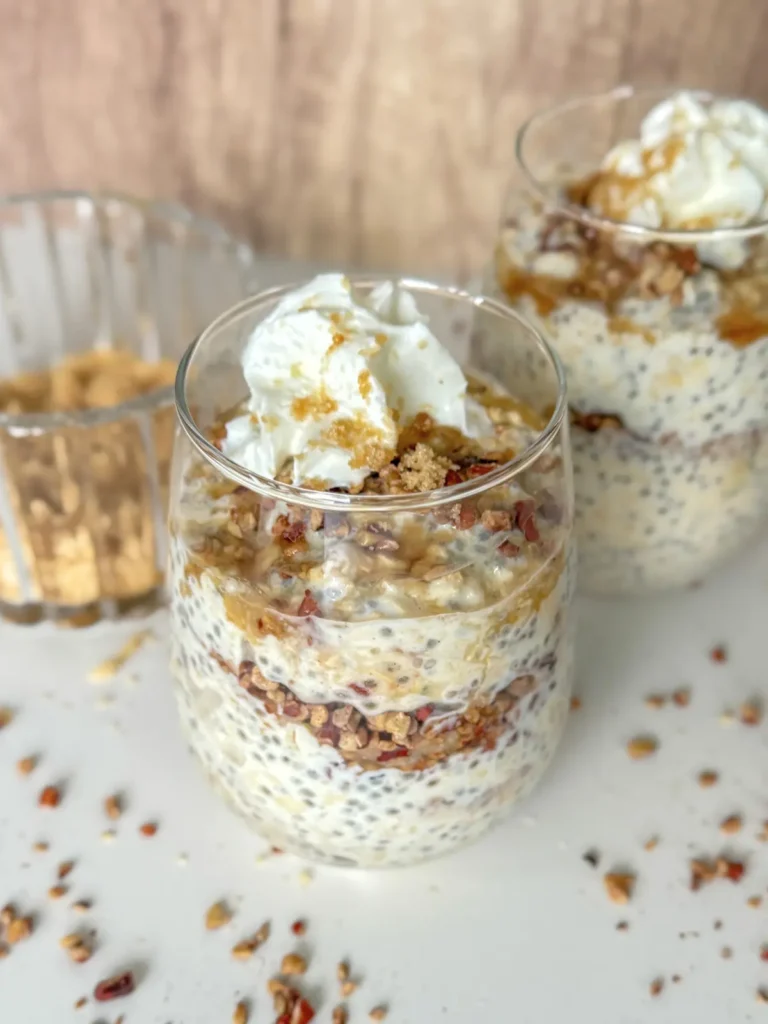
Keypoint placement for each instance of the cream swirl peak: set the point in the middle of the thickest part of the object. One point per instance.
(334, 377)
(699, 164)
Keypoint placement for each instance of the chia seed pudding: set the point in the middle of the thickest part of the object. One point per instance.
(647, 269)
(372, 672)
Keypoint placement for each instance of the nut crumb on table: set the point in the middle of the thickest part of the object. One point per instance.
(708, 778)
(641, 747)
(731, 825)
(619, 886)
(50, 796)
(26, 765)
(217, 915)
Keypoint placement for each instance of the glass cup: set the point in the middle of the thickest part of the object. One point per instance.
(102, 294)
(664, 337)
(373, 680)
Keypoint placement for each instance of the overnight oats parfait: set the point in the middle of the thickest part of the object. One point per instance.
(371, 565)
(636, 240)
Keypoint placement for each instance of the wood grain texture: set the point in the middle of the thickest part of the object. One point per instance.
(369, 132)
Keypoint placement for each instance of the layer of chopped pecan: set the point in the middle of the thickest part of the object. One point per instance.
(408, 741)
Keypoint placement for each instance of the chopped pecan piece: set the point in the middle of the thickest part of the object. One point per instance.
(115, 987)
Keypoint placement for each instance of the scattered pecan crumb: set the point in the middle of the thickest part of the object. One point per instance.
(7, 914)
(705, 871)
(682, 697)
(656, 700)
(619, 886)
(718, 925)
(80, 1003)
(755, 901)
(718, 654)
(18, 929)
(115, 987)
(575, 703)
(622, 926)
(244, 949)
(81, 906)
(299, 927)
(751, 712)
(339, 1015)
(149, 828)
(378, 1013)
(217, 915)
(292, 963)
(707, 779)
(26, 765)
(40, 846)
(676, 979)
(241, 1013)
(641, 747)
(731, 824)
(651, 844)
(50, 796)
(64, 869)
(656, 986)
(342, 971)
(592, 857)
(6, 717)
(726, 952)
(57, 891)
(347, 988)
(113, 806)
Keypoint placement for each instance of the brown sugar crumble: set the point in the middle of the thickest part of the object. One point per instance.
(619, 886)
(641, 747)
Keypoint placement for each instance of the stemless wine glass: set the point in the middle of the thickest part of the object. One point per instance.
(664, 337)
(111, 290)
(370, 679)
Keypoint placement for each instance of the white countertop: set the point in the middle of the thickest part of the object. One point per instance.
(516, 929)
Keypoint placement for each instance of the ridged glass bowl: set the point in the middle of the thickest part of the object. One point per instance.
(89, 281)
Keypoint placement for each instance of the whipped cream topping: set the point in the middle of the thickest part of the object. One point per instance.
(333, 379)
(698, 164)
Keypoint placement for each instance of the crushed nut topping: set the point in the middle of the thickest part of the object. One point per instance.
(751, 712)
(641, 747)
(681, 697)
(26, 765)
(705, 871)
(113, 806)
(148, 829)
(6, 716)
(731, 824)
(339, 1015)
(292, 963)
(50, 796)
(718, 654)
(116, 987)
(64, 869)
(378, 1013)
(217, 915)
(656, 986)
(241, 1013)
(708, 779)
(619, 886)
(57, 891)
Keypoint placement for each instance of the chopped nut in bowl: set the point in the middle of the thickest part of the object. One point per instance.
(99, 296)
(635, 237)
(371, 566)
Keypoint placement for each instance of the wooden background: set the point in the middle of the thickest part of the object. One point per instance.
(374, 132)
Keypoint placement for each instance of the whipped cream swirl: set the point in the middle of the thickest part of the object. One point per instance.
(699, 164)
(334, 377)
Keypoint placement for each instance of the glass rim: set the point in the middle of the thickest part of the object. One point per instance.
(330, 501)
(35, 424)
(690, 237)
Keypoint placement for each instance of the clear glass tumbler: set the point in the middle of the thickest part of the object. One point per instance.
(373, 680)
(664, 337)
(83, 492)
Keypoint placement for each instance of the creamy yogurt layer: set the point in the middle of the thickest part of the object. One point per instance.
(665, 345)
